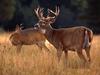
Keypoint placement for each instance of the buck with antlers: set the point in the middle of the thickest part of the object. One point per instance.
(65, 39)
(27, 37)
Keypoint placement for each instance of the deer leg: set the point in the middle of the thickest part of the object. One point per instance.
(66, 54)
(87, 50)
(59, 53)
(19, 48)
(42, 45)
(80, 54)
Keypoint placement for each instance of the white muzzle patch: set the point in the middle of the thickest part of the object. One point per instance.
(43, 31)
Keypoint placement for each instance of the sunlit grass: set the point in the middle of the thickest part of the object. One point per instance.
(33, 61)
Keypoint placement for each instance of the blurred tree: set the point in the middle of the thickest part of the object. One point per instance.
(7, 9)
(52, 3)
(80, 5)
(70, 9)
(94, 14)
(71, 4)
(14, 12)
(23, 15)
(25, 2)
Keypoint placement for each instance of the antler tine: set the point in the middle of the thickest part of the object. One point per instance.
(56, 12)
(50, 11)
(39, 12)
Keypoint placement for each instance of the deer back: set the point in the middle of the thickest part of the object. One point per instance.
(26, 36)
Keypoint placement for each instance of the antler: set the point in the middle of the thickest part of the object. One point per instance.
(39, 12)
(56, 13)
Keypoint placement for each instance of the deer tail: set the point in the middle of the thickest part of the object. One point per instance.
(88, 36)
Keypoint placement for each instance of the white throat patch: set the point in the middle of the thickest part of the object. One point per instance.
(43, 31)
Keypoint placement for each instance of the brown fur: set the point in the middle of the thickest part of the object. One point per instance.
(27, 37)
(64, 39)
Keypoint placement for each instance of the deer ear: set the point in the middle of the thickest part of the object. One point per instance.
(17, 28)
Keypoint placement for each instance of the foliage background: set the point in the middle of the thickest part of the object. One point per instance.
(72, 13)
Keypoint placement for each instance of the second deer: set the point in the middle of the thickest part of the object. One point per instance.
(27, 36)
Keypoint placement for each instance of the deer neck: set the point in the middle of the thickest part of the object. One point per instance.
(49, 33)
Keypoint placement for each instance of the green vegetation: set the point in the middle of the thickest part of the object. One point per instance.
(7, 9)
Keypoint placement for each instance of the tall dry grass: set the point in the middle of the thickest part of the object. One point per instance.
(33, 61)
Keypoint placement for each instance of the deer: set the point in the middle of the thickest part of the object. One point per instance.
(75, 39)
(27, 36)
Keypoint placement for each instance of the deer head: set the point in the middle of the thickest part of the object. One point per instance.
(17, 28)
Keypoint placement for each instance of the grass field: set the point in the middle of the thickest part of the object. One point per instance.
(33, 61)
